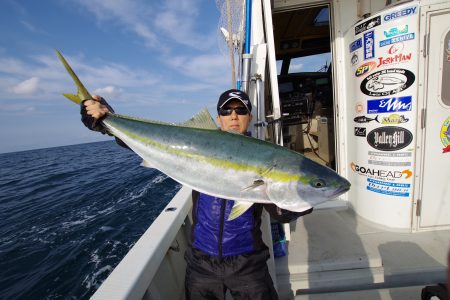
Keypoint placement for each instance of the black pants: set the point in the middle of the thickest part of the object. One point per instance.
(246, 276)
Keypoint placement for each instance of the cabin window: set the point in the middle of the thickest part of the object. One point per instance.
(311, 63)
(445, 92)
(323, 17)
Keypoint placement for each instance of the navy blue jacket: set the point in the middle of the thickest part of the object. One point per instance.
(213, 234)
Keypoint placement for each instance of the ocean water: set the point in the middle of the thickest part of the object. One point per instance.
(68, 215)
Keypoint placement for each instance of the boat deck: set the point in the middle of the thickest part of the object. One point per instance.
(333, 252)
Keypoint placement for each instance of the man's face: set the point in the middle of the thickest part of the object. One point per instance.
(234, 121)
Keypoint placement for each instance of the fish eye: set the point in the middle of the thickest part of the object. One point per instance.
(317, 183)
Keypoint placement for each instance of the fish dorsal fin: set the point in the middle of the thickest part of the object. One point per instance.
(201, 120)
(238, 209)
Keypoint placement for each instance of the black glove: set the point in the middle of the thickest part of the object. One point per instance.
(91, 122)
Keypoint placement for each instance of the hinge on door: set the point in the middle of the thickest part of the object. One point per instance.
(418, 207)
(426, 39)
(423, 118)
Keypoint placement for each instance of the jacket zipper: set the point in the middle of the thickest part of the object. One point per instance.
(222, 221)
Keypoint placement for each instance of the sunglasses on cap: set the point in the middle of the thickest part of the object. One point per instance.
(241, 110)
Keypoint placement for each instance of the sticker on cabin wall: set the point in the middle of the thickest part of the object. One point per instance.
(364, 119)
(369, 45)
(387, 105)
(394, 31)
(387, 82)
(396, 48)
(355, 45)
(383, 174)
(389, 138)
(360, 131)
(359, 107)
(354, 59)
(390, 159)
(445, 135)
(397, 39)
(400, 13)
(393, 59)
(394, 119)
(388, 188)
(365, 68)
(448, 50)
(368, 25)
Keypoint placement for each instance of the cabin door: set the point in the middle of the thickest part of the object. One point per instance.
(435, 191)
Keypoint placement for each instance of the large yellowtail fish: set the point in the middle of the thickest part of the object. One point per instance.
(223, 164)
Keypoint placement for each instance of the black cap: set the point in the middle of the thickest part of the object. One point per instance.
(234, 94)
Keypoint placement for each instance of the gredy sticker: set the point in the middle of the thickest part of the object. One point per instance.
(388, 105)
(387, 82)
(400, 13)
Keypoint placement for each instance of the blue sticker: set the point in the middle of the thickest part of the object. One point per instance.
(401, 13)
(369, 45)
(388, 105)
(355, 45)
(388, 188)
(397, 39)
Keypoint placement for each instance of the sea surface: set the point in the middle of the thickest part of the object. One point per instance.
(68, 215)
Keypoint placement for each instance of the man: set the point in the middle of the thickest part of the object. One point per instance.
(224, 255)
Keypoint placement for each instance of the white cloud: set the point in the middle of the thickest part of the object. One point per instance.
(157, 24)
(295, 67)
(208, 68)
(27, 87)
(108, 92)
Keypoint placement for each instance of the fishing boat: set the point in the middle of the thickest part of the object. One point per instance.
(377, 112)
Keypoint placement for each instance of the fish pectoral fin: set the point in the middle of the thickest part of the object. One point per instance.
(255, 184)
(147, 164)
(201, 120)
(238, 209)
(284, 198)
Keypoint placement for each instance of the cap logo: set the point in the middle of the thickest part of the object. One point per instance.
(234, 95)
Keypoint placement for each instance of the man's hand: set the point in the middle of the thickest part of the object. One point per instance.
(94, 108)
(92, 113)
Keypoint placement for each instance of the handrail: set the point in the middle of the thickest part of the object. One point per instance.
(133, 275)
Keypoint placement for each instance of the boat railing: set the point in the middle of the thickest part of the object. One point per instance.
(155, 259)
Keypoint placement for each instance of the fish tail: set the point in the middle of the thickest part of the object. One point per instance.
(82, 92)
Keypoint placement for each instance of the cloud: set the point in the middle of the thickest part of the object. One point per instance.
(108, 92)
(27, 87)
(295, 67)
(208, 68)
(17, 109)
(157, 24)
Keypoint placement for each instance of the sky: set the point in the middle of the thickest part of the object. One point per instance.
(158, 60)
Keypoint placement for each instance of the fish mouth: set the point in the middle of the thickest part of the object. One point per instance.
(341, 190)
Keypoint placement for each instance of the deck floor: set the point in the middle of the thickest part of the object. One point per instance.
(332, 250)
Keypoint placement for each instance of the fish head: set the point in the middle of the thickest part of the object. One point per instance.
(313, 184)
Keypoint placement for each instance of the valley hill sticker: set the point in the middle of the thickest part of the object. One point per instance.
(389, 138)
(387, 82)
(445, 135)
